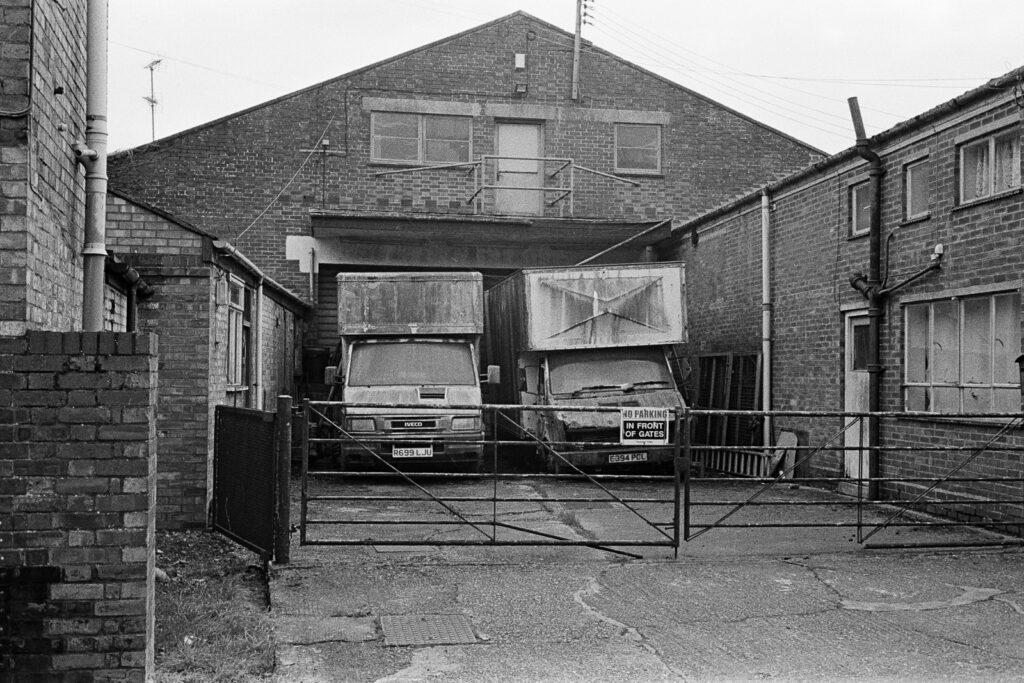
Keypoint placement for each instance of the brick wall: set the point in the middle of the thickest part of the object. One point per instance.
(77, 503)
(211, 176)
(41, 188)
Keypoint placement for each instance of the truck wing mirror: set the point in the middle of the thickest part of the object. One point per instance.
(330, 372)
(494, 374)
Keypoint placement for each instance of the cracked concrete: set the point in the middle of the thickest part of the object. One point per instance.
(783, 604)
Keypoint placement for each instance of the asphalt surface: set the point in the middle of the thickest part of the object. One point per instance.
(790, 603)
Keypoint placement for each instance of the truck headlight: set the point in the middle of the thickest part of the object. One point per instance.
(360, 424)
(465, 424)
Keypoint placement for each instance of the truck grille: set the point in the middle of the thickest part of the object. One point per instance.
(413, 424)
(432, 392)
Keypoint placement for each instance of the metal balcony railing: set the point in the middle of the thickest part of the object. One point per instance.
(495, 174)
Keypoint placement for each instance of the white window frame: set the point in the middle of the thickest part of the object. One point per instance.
(860, 189)
(1003, 374)
(989, 186)
(620, 168)
(908, 189)
(421, 139)
(239, 333)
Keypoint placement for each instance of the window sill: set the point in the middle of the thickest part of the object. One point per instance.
(960, 420)
(858, 236)
(639, 174)
(453, 165)
(916, 219)
(985, 200)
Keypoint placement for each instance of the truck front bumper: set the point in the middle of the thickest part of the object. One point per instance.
(447, 450)
(618, 457)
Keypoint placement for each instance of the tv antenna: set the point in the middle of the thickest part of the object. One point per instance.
(152, 97)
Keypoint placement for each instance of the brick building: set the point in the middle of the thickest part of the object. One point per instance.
(227, 337)
(477, 151)
(77, 427)
(949, 238)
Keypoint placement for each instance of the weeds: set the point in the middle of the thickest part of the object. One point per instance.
(212, 623)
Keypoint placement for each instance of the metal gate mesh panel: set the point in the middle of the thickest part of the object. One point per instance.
(244, 478)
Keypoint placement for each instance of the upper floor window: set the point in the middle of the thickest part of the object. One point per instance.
(637, 148)
(916, 177)
(239, 332)
(960, 355)
(860, 208)
(989, 166)
(420, 138)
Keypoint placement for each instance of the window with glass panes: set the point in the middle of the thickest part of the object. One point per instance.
(916, 191)
(989, 166)
(420, 138)
(960, 355)
(860, 208)
(637, 148)
(239, 326)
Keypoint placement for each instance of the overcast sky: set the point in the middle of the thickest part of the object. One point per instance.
(791, 64)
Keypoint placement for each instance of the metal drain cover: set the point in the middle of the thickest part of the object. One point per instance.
(426, 629)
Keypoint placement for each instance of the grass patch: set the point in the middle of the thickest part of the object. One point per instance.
(212, 621)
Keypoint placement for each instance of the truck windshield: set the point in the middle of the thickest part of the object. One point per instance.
(575, 371)
(411, 362)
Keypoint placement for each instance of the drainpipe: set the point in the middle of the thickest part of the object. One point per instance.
(92, 154)
(258, 343)
(766, 318)
(872, 292)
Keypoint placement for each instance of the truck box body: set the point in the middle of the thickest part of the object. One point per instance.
(409, 347)
(587, 336)
(410, 303)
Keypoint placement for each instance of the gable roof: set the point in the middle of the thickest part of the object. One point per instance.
(220, 246)
(156, 144)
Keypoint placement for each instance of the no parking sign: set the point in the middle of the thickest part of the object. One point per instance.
(643, 426)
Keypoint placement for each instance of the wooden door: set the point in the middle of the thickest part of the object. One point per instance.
(522, 141)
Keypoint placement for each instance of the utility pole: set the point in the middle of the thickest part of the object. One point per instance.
(152, 97)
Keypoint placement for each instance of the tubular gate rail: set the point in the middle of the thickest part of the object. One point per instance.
(975, 478)
(483, 514)
(975, 475)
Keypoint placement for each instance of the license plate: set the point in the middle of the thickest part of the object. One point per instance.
(627, 457)
(412, 452)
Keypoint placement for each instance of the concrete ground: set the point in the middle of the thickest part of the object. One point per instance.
(790, 603)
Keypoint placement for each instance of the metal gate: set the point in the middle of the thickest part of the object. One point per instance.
(337, 509)
(246, 471)
(977, 482)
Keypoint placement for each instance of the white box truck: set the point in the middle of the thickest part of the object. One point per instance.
(410, 339)
(588, 336)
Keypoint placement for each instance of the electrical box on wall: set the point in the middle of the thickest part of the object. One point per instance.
(520, 61)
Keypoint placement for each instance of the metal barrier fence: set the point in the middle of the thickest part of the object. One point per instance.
(489, 516)
(932, 471)
(958, 471)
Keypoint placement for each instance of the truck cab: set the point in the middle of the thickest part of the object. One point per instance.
(429, 377)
